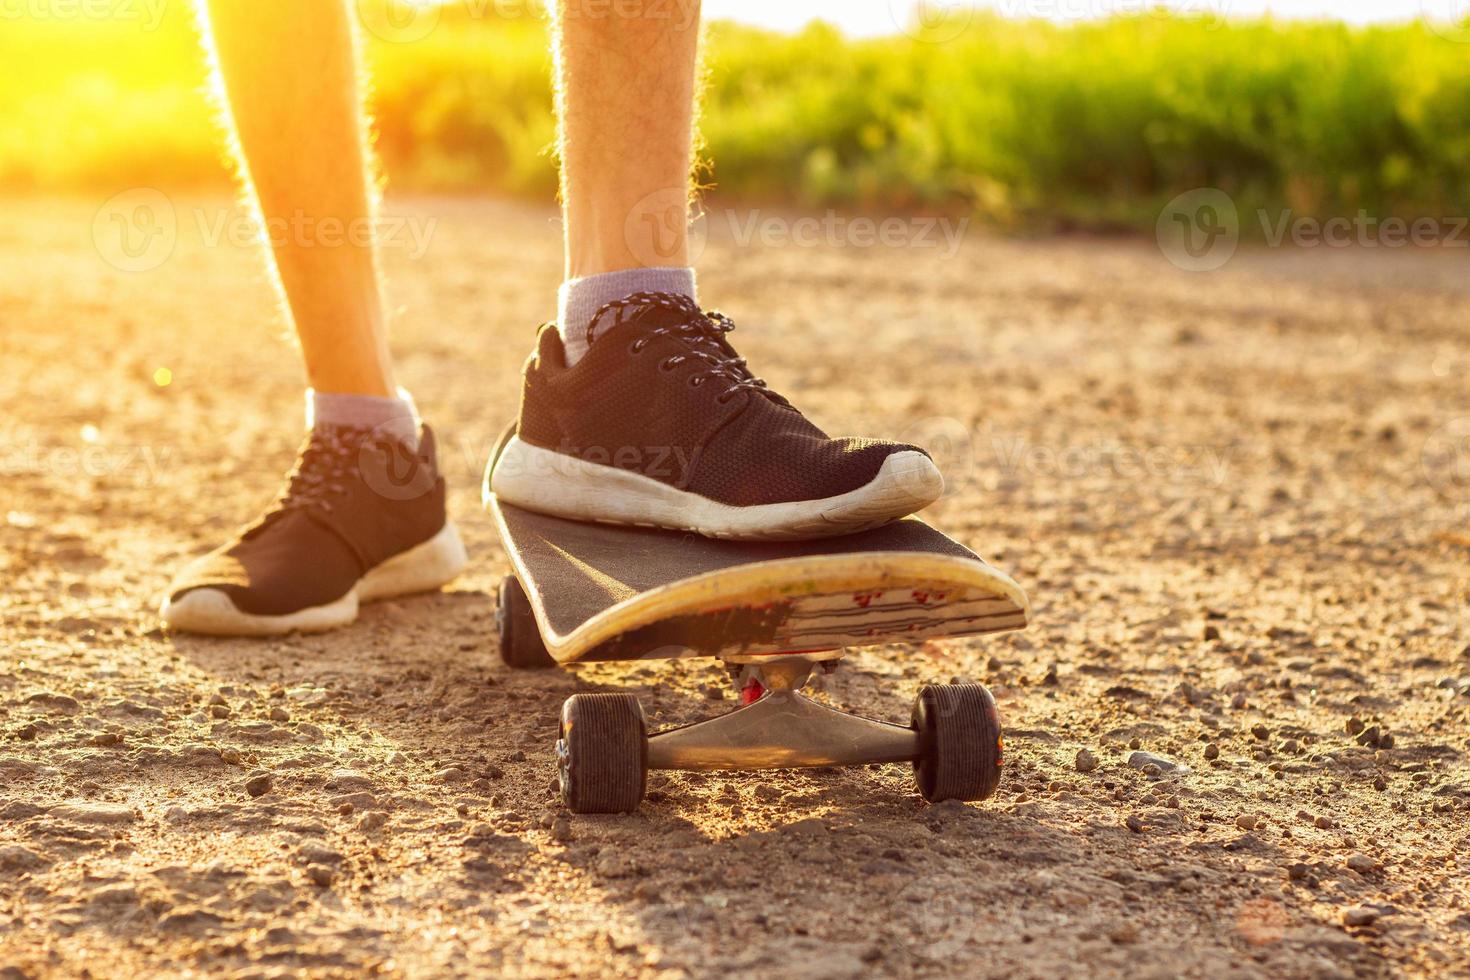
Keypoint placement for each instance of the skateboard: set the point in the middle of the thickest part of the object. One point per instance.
(774, 613)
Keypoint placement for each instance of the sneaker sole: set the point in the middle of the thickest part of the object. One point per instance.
(554, 483)
(422, 568)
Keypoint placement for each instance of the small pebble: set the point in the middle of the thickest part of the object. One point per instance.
(321, 875)
(258, 785)
(1361, 863)
(1155, 765)
(1212, 751)
(1086, 761)
(1124, 934)
(1359, 916)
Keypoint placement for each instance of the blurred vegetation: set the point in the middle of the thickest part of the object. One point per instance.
(1023, 122)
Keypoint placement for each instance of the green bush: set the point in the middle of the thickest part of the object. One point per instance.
(1027, 124)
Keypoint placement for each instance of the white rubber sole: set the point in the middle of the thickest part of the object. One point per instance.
(554, 483)
(422, 568)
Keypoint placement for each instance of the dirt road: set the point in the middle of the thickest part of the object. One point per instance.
(1233, 497)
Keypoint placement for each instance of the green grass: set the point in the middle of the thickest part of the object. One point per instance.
(1024, 123)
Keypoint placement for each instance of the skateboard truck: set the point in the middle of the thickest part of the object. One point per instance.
(781, 729)
(605, 751)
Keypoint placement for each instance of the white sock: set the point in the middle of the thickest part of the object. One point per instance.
(398, 417)
(578, 299)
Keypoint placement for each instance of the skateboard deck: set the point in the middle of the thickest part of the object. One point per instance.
(613, 592)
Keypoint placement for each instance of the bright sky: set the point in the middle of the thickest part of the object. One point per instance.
(869, 17)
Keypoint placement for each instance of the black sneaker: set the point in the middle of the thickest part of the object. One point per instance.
(362, 518)
(660, 423)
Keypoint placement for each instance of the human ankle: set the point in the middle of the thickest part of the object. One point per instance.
(398, 416)
(579, 299)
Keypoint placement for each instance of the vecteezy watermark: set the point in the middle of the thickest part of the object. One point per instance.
(963, 455)
(1204, 465)
(1070, 10)
(407, 21)
(833, 230)
(671, 465)
(148, 14)
(679, 15)
(1199, 230)
(1363, 230)
(138, 230)
(659, 230)
(87, 461)
(940, 21)
(1445, 459)
(1450, 19)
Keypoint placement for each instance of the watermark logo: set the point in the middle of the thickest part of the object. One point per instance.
(936, 915)
(398, 21)
(1262, 921)
(932, 21)
(1452, 24)
(136, 230)
(1445, 459)
(660, 232)
(1199, 230)
(390, 468)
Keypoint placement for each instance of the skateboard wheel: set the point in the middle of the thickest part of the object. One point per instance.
(959, 742)
(602, 755)
(520, 638)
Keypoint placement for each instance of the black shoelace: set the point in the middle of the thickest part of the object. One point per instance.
(703, 331)
(322, 471)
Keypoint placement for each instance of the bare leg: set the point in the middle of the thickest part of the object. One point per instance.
(625, 87)
(289, 68)
(290, 71)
